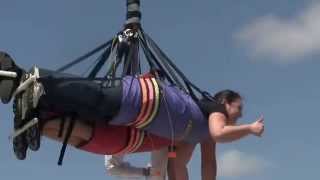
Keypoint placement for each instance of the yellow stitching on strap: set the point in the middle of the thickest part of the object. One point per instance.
(156, 104)
(143, 103)
(151, 101)
(129, 145)
(140, 142)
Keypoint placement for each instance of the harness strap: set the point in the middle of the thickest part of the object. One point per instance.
(66, 139)
(139, 136)
(130, 143)
(145, 102)
(61, 127)
(150, 102)
(156, 103)
(135, 142)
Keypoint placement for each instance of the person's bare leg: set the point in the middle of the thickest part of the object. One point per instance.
(80, 133)
(208, 160)
(159, 162)
(177, 168)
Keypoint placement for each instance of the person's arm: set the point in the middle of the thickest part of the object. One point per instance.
(222, 132)
(208, 160)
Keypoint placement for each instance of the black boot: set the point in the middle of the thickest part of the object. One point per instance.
(24, 104)
(26, 108)
(31, 98)
(20, 144)
(7, 87)
(8, 84)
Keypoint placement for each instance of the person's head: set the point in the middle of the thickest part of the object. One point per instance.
(232, 102)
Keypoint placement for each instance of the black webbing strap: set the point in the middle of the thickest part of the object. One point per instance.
(61, 128)
(84, 57)
(115, 61)
(133, 12)
(164, 57)
(161, 62)
(133, 2)
(152, 60)
(66, 139)
(131, 61)
(101, 62)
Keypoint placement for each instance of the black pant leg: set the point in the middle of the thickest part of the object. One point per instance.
(88, 99)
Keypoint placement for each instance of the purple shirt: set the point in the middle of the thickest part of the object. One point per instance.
(178, 116)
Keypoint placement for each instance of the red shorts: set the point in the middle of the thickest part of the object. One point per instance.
(109, 139)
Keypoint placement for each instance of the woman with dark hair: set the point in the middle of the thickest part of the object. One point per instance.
(138, 114)
(222, 121)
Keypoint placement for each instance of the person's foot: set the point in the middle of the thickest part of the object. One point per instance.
(26, 99)
(32, 95)
(8, 84)
(29, 93)
(20, 144)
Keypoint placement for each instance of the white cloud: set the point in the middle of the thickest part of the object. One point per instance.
(284, 39)
(234, 163)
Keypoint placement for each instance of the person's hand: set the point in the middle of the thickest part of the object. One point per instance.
(257, 127)
(155, 172)
(150, 171)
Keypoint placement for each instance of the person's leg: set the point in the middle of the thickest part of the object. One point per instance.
(80, 134)
(66, 93)
(177, 168)
(208, 160)
(10, 77)
(55, 92)
(87, 99)
(159, 162)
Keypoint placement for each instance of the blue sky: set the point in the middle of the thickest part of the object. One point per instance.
(266, 50)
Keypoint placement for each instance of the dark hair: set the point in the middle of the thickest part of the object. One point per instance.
(226, 96)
